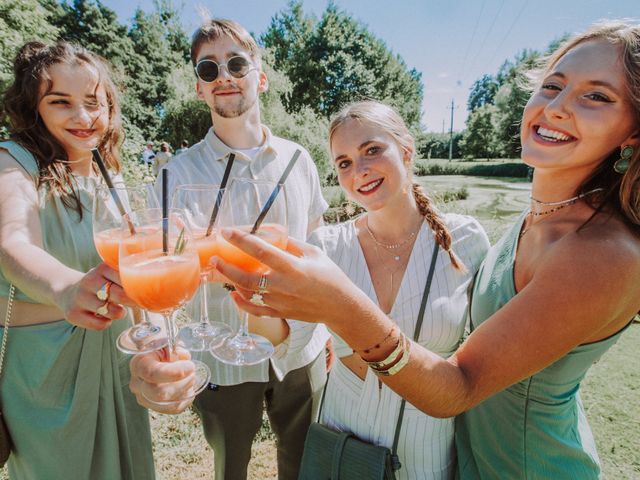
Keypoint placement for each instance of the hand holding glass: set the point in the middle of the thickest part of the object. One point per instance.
(243, 202)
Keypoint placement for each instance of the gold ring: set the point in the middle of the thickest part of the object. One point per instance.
(103, 310)
(104, 291)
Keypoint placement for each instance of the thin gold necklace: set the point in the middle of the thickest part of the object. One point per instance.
(392, 246)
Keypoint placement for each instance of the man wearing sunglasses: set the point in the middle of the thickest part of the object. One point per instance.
(227, 64)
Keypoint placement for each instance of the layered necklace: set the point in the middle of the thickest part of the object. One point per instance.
(552, 207)
(395, 250)
(392, 248)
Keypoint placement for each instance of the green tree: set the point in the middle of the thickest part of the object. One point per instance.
(482, 92)
(436, 145)
(20, 21)
(479, 138)
(337, 60)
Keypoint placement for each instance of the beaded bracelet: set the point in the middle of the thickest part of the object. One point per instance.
(392, 357)
(384, 340)
(404, 360)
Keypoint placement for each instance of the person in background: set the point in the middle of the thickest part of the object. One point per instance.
(230, 79)
(552, 296)
(162, 157)
(184, 146)
(148, 155)
(64, 388)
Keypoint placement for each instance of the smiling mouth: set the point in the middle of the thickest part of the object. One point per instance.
(81, 133)
(371, 186)
(552, 136)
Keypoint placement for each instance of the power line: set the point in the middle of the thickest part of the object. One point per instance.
(473, 36)
(484, 40)
(522, 8)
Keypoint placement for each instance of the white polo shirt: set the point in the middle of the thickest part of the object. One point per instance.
(205, 162)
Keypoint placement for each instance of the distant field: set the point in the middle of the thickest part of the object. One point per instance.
(491, 168)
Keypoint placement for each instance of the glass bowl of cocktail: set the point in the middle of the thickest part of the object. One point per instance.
(109, 206)
(243, 207)
(200, 203)
(160, 271)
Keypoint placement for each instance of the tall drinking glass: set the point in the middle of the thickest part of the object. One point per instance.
(144, 336)
(243, 203)
(161, 280)
(198, 203)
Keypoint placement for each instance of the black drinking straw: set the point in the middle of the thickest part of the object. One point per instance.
(165, 211)
(107, 179)
(275, 192)
(223, 185)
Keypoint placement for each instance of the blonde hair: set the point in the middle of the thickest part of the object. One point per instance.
(622, 192)
(215, 28)
(387, 119)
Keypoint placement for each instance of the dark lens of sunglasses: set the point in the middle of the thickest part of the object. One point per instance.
(238, 66)
(207, 71)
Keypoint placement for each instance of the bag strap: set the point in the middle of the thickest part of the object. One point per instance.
(337, 454)
(394, 450)
(7, 319)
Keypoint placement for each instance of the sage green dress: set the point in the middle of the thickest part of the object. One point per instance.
(64, 389)
(535, 429)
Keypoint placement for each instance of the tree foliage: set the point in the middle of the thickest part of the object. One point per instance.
(336, 60)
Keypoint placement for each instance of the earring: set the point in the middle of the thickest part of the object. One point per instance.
(622, 164)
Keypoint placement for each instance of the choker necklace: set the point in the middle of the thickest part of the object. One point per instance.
(559, 205)
(392, 246)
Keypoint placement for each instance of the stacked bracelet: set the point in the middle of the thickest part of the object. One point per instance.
(404, 359)
(395, 361)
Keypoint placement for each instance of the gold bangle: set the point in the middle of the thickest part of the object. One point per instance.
(392, 357)
(398, 366)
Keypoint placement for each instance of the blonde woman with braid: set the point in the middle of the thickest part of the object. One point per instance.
(387, 254)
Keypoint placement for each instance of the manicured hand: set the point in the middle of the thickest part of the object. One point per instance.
(81, 305)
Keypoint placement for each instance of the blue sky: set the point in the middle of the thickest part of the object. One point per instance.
(452, 42)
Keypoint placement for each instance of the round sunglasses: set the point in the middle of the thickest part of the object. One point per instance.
(208, 70)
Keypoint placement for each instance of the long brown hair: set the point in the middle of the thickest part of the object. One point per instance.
(620, 192)
(20, 104)
(386, 118)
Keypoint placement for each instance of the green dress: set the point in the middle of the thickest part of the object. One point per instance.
(64, 390)
(535, 429)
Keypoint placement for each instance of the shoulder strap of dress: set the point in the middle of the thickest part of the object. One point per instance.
(24, 157)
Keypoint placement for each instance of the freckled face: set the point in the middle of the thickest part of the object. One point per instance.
(74, 109)
(581, 112)
(371, 166)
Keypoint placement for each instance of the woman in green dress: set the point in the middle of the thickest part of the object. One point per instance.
(63, 388)
(551, 297)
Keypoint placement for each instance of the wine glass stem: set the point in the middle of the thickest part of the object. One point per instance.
(171, 332)
(243, 333)
(204, 308)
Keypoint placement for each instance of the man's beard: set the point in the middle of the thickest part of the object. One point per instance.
(228, 111)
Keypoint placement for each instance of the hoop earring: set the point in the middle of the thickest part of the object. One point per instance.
(622, 164)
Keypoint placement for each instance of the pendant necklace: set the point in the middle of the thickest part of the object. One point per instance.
(392, 246)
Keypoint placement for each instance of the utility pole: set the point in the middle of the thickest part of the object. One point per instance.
(443, 126)
(451, 132)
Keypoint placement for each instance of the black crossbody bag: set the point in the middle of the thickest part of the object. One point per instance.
(333, 455)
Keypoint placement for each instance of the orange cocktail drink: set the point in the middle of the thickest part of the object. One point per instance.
(158, 282)
(275, 234)
(206, 246)
(108, 243)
